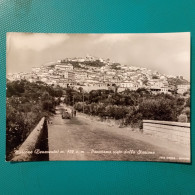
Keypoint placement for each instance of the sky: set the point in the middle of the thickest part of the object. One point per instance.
(167, 53)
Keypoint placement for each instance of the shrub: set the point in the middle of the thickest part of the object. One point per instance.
(182, 118)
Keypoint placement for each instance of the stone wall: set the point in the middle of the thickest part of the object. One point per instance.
(35, 140)
(174, 131)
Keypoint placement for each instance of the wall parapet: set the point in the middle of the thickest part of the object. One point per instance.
(171, 123)
(26, 150)
(173, 131)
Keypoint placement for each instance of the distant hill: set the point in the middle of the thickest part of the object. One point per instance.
(116, 66)
(85, 64)
(177, 81)
(96, 63)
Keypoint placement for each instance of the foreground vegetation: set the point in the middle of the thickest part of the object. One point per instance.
(131, 107)
(26, 104)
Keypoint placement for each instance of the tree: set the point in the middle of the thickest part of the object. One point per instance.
(58, 93)
(180, 101)
(155, 77)
(188, 102)
(15, 88)
(186, 111)
(80, 89)
(158, 110)
(143, 92)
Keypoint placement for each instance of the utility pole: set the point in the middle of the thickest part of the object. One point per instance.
(73, 101)
(73, 107)
(83, 102)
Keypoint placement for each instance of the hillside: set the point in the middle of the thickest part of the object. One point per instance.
(96, 63)
(125, 72)
(177, 81)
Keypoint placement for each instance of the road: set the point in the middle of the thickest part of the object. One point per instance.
(81, 138)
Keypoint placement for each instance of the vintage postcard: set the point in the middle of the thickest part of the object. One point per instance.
(98, 97)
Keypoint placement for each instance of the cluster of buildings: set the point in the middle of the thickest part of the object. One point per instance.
(97, 73)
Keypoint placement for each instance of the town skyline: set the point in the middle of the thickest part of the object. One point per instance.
(152, 51)
(97, 73)
(79, 57)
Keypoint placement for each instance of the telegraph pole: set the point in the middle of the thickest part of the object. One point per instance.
(83, 102)
(73, 101)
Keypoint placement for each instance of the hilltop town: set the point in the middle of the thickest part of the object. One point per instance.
(97, 73)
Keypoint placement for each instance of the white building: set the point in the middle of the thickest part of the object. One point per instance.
(129, 85)
(36, 69)
(182, 88)
(69, 76)
(64, 67)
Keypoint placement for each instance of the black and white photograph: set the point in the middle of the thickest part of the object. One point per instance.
(98, 97)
